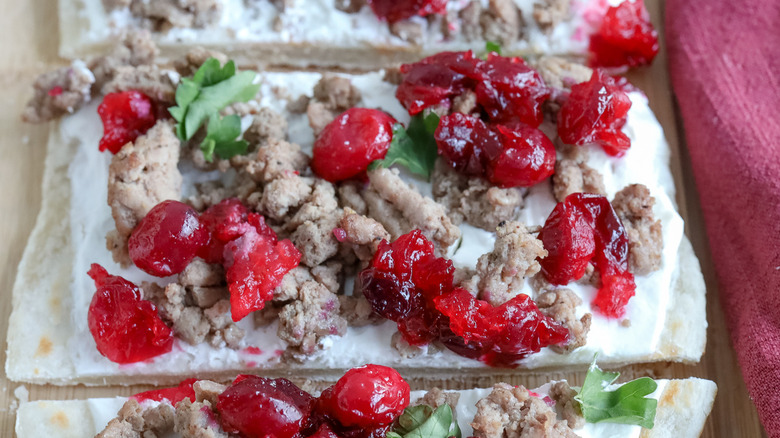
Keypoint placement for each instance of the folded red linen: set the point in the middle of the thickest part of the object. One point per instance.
(725, 67)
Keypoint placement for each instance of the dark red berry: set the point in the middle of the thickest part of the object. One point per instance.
(626, 37)
(125, 116)
(126, 328)
(595, 112)
(167, 239)
(397, 10)
(584, 229)
(435, 79)
(499, 336)
(367, 397)
(173, 395)
(401, 282)
(348, 144)
(526, 158)
(507, 155)
(224, 221)
(511, 91)
(257, 407)
(255, 263)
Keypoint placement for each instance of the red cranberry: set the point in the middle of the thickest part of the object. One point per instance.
(257, 407)
(526, 158)
(173, 395)
(626, 37)
(125, 327)
(585, 229)
(507, 155)
(167, 239)
(511, 91)
(367, 397)
(435, 79)
(466, 143)
(224, 221)
(125, 116)
(397, 10)
(499, 336)
(255, 264)
(351, 142)
(595, 113)
(402, 279)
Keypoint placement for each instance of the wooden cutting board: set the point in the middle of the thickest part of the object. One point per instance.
(29, 45)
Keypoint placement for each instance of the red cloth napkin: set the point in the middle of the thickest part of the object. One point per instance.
(725, 66)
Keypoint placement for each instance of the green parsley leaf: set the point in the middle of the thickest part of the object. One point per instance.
(221, 137)
(627, 404)
(492, 46)
(413, 147)
(423, 422)
(202, 97)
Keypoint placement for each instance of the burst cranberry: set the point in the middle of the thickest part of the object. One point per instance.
(595, 112)
(125, 116)
(499, 336)
(507, 155)
(367, 397)
(511, 91)
(466, 143)
(397, 10)
(257, 407)
(224, 221)
(435, 79)
(351, 142)
(125, 327)
(402, 279)
(626, 37)
(526, 157)
(173, 395)
(167, 239)
(585, 229)
(255, 263)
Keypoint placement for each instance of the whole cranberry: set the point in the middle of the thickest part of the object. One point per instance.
(167, 239)
(595, 112)
(626, 37)
(466, 143)
(526, 158)
(125, 115)
(367, 397)
(435, 79)
(258, 407)
(397, 10)
(348, 144)
(511, 91)
(126, 328)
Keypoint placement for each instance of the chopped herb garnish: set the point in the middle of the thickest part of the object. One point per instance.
(202, 97)
(491, 46)
(423, 422)
(413, 147)
(628, 404)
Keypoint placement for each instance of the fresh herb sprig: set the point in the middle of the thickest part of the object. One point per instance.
(628, 404)
(423, 421)
(414, 147)
(493, 47)
(202, 97)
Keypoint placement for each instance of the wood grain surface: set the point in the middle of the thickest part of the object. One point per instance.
(29, 41)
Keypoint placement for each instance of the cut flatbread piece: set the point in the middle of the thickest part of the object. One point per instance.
(683, 407)
(317, 32)
(49, 341)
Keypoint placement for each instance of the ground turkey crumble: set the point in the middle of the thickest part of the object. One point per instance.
(501, 274)
(511, 412)
(634, 206)
(161, 15)
(473, 199)
(561, 305)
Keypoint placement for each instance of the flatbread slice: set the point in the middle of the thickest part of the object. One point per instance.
(48, 341)
(317, 32)
(683, 407)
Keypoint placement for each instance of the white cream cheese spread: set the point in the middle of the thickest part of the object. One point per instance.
(645, 162)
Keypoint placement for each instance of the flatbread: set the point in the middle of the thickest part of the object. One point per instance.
(41, 326)
(682, 410)
(365, 43)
